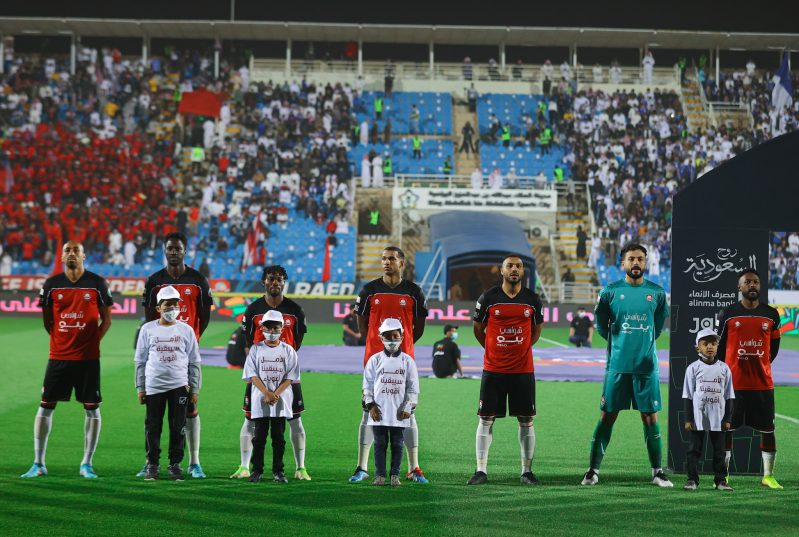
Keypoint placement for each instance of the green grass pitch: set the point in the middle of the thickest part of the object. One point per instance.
(119, 504)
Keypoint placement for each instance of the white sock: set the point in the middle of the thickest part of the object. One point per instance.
(365, 439)
(485, 428)
(42, 424)
(411, 435)
(527, 445)
(91, 434)
(193, 439)
(298, 441)
(655, 471)
(727, 457)
(245, 441)
(768, 462)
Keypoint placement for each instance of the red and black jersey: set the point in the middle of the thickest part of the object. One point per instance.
(75, 334)
(195, 297)
(509, 329)
(379, 302)
(747, 337)
(293, 322)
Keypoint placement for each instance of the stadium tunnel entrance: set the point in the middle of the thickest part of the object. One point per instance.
(467, 250)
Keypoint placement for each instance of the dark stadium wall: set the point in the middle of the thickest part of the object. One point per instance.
(721, 225)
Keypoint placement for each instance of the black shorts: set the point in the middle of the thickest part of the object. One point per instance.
(62, 376)
(515, 389)
(754, 408)
(297, 406)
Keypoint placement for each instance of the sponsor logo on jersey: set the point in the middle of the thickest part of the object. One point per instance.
(649, 298)
(60, 296)
(526, 313)
(377, 301)
(765, 326)
(496, 312)
(402, 302)
(182, 400)
(187, 291)
(621, 297)
(737, 324)
(288, 322)
(87, 296)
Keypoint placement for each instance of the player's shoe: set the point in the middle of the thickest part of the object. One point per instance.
(255, 476)
(87, 471)
(770, 482)
(241, 473)
(37, 470)
(151, 472)
(529, 478)
(692, 485)
(143, 471)
(479, 478)
(661, 480)
(379, 481)
(175, 472)
(359, 475)
(196, 471)
(302, 474)
(590, 478)
(279, 477)
(723, 485)
(417, 476)
(395, 481)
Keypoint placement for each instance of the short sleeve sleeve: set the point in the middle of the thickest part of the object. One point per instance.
(105, 299)
(421, 303)
(775, 328)
(538, 305)
(362, 305)
(44, 295)
(480, 309)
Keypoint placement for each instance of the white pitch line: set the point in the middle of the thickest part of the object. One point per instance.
(788, 418)
(558, 343)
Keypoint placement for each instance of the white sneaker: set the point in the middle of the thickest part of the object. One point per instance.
(661, 480)
(590, 478)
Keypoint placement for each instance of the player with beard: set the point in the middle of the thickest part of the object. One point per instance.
(195, 310)
(750, 340)
(76, 309)
(508, 321)
(293, 331)
(630, 314)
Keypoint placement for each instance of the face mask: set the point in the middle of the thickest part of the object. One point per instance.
(170, 316)
(454, 336)
(392, 346)
(581, 314)
(271, 337)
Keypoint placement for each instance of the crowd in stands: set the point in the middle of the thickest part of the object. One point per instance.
(753, 87)
(98, 156)
(784, 261)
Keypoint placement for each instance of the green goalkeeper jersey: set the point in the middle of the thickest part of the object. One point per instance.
(631, 318)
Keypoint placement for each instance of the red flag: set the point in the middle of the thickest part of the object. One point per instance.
(251, 250)
(326, 268)
(201, 102)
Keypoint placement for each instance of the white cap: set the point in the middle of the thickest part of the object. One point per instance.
(167, 293)
(706, 332)
(271, 316)
(390, 324)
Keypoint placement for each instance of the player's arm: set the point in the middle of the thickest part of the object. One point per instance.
(721, 330)
(479, 330)
(105, 321)
(47, 317)
(590, 333)
(537, 319)
(688, 399)
(362, 309)
(148, 301)
(536, 333)
(369, 375)
(775, 337)
(363, 323)
(411, 390)
(603, 315)
(661, 313)
(205, 305)
(299, 329)
(420, 315)
(480, 320)
(246, 328)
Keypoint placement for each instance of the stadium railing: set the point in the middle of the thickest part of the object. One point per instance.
(299, 68)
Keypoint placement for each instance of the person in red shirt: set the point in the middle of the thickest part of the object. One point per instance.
(390, 297)
(507, 323)
(750, 340)
(76, 308)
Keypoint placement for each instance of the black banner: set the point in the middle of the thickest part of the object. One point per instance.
(705, 264)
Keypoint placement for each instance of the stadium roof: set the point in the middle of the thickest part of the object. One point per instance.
(388, 33)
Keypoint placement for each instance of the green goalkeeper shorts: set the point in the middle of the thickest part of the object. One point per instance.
(621, 391)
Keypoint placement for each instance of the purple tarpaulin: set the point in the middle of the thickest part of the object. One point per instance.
(552, 363)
